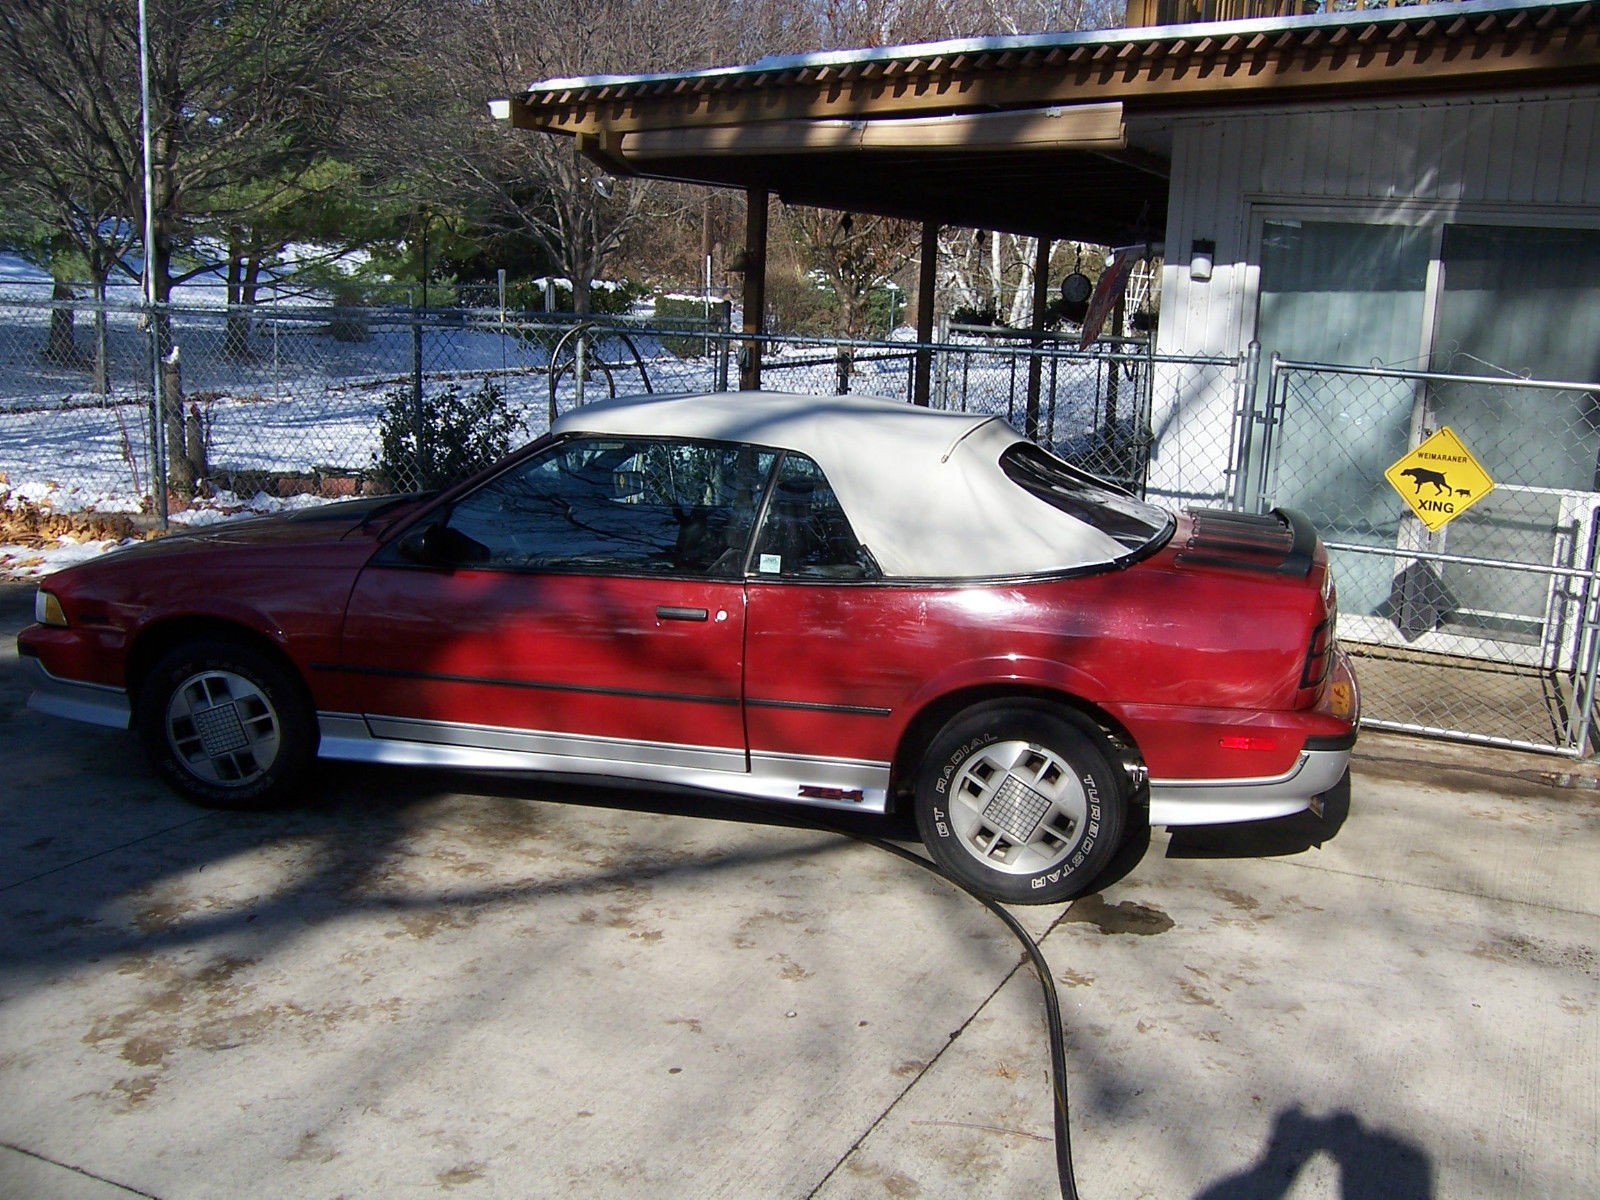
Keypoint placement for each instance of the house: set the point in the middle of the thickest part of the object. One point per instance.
(1403, 203)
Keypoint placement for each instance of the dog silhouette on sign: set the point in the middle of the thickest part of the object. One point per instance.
(1421, 475)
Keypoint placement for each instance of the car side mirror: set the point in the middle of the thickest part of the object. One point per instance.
(436, 545)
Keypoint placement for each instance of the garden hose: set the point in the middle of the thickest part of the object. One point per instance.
(1052, 1004)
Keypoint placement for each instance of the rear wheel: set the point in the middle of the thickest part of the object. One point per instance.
(225, 724)
(1020, 802)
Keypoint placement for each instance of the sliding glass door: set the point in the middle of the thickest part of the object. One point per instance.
(1499, 301)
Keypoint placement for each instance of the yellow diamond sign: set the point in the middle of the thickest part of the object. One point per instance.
(1440, 479)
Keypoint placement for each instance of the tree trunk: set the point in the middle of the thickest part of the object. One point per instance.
(236, 328)
(180, 469)
(195, 449)
(61, 346)
(102, 340)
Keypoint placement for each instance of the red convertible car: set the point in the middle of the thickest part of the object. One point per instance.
(831, 601)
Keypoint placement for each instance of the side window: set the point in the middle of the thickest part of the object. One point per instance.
(805, 534)
(615, 506)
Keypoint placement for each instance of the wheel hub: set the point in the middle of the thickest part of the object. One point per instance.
(223, 728)
(1017, 807)
(220, 729)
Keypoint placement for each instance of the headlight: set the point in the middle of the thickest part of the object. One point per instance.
(47, 609)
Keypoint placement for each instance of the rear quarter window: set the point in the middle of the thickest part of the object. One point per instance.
(1124, 518)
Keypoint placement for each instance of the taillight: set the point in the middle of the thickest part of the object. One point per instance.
(1319, 655)
(1319, 650)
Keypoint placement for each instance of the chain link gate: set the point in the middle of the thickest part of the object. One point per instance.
(1487, 630)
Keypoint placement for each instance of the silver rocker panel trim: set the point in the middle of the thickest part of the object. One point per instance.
(354, 737)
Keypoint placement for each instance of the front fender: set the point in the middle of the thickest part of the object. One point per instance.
(302, 624)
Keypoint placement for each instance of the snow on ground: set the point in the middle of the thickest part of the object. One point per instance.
(22, 562)
(305, 400)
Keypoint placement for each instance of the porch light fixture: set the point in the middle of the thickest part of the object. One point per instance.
(1202, 257)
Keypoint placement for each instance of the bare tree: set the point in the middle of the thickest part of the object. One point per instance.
(1049, 16)
(861, 23)
(540, 186)
(58, 166)
(533, 184)
(853, 256)
(239, 90)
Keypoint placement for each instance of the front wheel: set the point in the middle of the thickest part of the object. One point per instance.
(1020, 802)
(225, 724)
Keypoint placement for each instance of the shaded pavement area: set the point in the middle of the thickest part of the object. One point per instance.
(440, 984)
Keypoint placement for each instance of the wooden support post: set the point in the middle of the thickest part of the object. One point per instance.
(1041, 294)
(755, 286)
(927, 284)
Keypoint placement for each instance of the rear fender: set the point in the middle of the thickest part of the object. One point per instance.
(1005, 672)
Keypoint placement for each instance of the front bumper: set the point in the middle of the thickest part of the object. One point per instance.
(93, 703)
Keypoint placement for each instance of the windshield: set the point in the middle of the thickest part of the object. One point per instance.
(1127, 520)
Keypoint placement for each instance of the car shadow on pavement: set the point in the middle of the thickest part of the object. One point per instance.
(346, 840)
(1276, 838)
(1373, 1164)
(661, 799)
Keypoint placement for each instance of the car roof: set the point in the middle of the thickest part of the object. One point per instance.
(923, 489)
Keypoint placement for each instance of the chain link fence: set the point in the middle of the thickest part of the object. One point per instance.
(1488, 629)
(284, 400)
(1485, 628)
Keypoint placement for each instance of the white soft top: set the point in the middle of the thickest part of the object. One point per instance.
(923, 490)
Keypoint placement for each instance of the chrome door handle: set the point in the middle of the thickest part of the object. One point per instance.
(667, 612)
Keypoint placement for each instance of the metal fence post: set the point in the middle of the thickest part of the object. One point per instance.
(277, 360)
(724, 345)
(1586, 662)
(944, 362)
(1244, 410)
(158, 440)
(580, 364)
(419, 423)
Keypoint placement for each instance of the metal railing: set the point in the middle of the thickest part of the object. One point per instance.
(1488, 628)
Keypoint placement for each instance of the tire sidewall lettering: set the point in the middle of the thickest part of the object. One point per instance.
(1085, 846)
(958, 757)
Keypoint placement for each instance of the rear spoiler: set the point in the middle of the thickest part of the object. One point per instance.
(1282, 542)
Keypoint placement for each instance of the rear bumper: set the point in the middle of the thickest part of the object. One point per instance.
(92, 703)
(1320, 765)
(1222, 801)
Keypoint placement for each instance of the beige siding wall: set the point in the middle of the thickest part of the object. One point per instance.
(1533, 158)
(1426, 161)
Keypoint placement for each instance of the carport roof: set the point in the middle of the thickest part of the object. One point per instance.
(1055, 134)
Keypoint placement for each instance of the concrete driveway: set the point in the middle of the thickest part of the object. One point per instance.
(431, 984)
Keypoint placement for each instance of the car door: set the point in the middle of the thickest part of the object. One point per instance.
(585, 604)
(831, 652)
